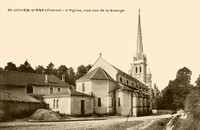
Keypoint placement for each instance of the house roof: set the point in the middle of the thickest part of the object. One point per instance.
(22, 79)
(96, 74)
(6, 96)
(71, 92)
(76, 93)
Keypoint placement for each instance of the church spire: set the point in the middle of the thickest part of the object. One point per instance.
(139, 51)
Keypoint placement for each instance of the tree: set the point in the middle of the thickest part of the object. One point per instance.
(81, 70)
(72, 78)
(11, 66)
(62, 70)
(198, 82)
(174, 95)
(50, 68)
(26, 67)
(88, 67)
(1, 68)
(40, 69)
(183, 76)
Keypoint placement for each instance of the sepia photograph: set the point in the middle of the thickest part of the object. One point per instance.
(99, 65)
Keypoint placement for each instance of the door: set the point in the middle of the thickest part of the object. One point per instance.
(82, 107)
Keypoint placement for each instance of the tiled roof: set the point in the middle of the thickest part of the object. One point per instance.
(71, 92)
(96, 74)
(76, 93)
(5, 96)
(23, 79)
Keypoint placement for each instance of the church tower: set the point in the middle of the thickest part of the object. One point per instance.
(139, 65)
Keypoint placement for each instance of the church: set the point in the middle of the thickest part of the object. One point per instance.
(116, 92)
(104, 90)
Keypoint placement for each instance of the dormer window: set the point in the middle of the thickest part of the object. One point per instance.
(29, 89)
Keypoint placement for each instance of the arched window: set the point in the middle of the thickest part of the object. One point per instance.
(83, 87)
(29, 89)
(51, 90)
(120, 79)
(119, 102)
(135, 69)
(140, 69)
(59, 89)
(54, 103)
(99, 102)
(57, 103)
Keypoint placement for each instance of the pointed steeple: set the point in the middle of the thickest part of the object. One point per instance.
(139, 51)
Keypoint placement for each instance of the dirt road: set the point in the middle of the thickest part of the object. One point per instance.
(133, 123)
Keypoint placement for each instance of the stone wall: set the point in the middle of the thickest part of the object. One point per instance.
(14, 109)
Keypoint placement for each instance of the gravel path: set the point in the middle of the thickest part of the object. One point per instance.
(140, 123)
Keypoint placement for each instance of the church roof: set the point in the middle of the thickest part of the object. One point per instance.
(96, 74)
(15, 78)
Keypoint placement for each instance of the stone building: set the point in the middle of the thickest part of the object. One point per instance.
(116, 92)
(30, 90)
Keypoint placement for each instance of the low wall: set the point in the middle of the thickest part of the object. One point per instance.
(14, 109)
(155, 111)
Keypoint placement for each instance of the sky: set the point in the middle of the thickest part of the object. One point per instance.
(170, 31)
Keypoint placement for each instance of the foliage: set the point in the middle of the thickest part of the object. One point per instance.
(82, 70)
(198, 82)
(175, 93)
(40, 69)
(11, 66)
(26, 67)
(69, 75)
(50, 68)
(192, 108)
(72, 77)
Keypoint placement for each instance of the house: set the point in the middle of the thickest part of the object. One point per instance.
(70, 102)
(35, 88)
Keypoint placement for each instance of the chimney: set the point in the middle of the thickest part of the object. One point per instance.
(63, 77)
(46, 78)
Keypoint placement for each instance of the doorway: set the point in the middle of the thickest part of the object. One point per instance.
(82, 107)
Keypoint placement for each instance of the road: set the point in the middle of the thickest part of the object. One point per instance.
(136, 123)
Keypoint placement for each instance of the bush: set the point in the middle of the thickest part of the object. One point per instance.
(192, 108)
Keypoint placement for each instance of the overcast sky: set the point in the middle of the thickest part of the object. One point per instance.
(170, 30)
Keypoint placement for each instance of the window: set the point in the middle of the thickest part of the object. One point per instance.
(54, 103)
(112, 102)
(119, 102)
(133, 84)
(135, 69)
(140, 69)
(127, 81)
(51, 90)
(29, 89)
(99, 102)
(57, 103)
(83, 87)
(58, 89)
(120, 79)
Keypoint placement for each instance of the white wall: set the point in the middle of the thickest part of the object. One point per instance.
(64, 105)
(76, 105)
